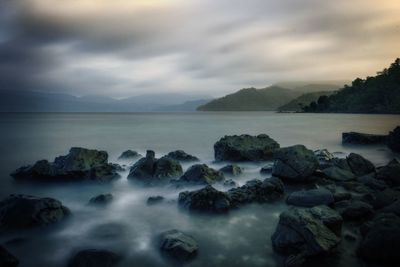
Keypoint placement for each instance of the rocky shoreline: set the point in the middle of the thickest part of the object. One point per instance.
(328, 198)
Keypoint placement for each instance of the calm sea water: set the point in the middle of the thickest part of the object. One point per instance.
(128, 226)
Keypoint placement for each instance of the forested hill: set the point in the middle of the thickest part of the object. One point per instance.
(378, 94)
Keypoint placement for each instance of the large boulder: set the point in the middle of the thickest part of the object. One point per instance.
(178, 245)
(23, 211)
(79, 164)
(310, 198)
(394, 139)
(307, 231)
(355, 210)
(257, 191)
(129, 155)
(201, 174)
(7, 259)
(181, 155)
(152, 171)
(339, 175)
(363, 138)
(390, 173)
(94, 258)
(207, 199)
(231, 169)
(381, 242)
(359, 165)
(245, 148)
(295, 164)
(373, 183)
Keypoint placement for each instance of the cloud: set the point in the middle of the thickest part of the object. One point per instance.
(122, 47)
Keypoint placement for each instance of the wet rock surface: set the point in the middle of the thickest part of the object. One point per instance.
(310, 198)
(102, 199)
(178, 245)
(181, 155)
(232, 169)
(153, 200)
(363, 138)
(207, 199)
(94, 258)
(201, 174)
(128, 155)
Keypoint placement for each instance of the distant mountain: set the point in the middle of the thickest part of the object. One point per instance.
(187, 106)
(252, 99)
(297, 104)
(378, 94)
(313, 86)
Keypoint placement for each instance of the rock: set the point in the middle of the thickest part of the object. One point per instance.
(381, 242)
(207, 199)
(307, 231)
(363, 139)
(94, 258)
(381, 199)
(152, 171)
(355, 210)
(245, 148)
(338, 174)
(232, 169)
(101, 199)
(7, 259)
(359, 165)
(392, 208)
(310, 198)
(178, 245)
(129, 154)
(181, 155)
(373, 183)
(201, 174)
(23, 211)
(295, 164)
(80, 164)
(350, 236)
(342, 196)
(325, 158)
(394, 139)
(155, 200)
(390, 173)
(230, 183)
(255, 190)
(267, 169)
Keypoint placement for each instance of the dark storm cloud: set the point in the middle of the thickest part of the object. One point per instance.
(123, 48)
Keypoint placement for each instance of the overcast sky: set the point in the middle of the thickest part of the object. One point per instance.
(210, 47)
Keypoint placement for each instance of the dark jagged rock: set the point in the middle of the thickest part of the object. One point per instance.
(359, 165)
(181, 155)
(295, 164)
(151, 171)
(23, 211)
(245, 148)
(325, 158)
(80, 164)
(230, 183)
(232, 169)
(267, 169)
(363, 139)
(257, 191)
(339, 175)
(394, 139)
(390, 173)
(94, 258)
(101, 199)
(201, 174)
(207, 199)
(129, 154)
(307, 231)
(381, 242)
(373, 183)
(342, 196)
(7, 259)
(155, 200)
(381, 199)
(178, 245)
(355, 210)
(310, 198)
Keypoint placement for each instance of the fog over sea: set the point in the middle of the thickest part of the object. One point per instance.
(128, 225)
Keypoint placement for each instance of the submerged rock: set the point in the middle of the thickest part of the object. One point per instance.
(390, 173)
(267, 169)
(310, 198)
(201, 174)
(151, 171)
(232, 169)
(230, 183)
(359, 165)
(381, 242)
(207, 199)
(129, 154)
(245, 148)
(7, 259)
(23, 211)
(101, 199)
(155, 200)
(178, 245)
(295, 164)
(181, 155)
(80, 164)
(94, 258)
(307, 231)
(339, 175)
(394, 139)
(363, 138)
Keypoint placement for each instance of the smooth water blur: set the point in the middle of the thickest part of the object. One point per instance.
(128, 225)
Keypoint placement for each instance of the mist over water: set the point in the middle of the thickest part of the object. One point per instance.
(128, 225)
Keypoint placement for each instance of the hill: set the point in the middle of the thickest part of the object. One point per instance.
(378, 94)
(296, 105)
(252, 99)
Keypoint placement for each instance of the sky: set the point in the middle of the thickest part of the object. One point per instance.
(123, 48)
